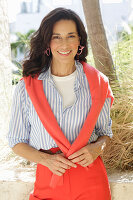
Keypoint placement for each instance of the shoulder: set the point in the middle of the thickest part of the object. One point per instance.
(98, 81)
(94, 73)
(20, 86)
(20, 90)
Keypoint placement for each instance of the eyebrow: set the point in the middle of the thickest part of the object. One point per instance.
(68, 33)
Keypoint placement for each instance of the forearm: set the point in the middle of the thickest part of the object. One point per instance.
(29, 153)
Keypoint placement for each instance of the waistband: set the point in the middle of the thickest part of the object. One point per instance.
(52, 151)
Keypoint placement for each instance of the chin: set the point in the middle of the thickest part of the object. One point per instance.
(66, 60)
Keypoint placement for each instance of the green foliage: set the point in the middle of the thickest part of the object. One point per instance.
(123, 35)
(123, 53)
(17, 75)
(22, 45)
(22, 42)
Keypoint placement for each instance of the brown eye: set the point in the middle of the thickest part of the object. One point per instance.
(55, 37)
(72, 36)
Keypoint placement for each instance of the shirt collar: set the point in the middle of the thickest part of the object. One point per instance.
(47, 74)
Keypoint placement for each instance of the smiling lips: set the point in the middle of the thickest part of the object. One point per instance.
(64, 53)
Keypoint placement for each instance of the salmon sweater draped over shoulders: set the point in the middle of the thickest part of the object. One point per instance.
(99, 89)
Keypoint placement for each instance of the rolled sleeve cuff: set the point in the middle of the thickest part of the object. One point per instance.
(13, 141)
(101, 132)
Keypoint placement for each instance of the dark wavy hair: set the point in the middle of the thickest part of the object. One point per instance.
(37, 61)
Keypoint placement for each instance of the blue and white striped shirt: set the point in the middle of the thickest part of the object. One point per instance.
(26, 127)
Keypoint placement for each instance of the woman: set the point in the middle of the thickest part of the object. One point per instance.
(61, 113)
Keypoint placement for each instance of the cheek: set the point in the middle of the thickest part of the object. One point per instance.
(74, 46)
(53, 46)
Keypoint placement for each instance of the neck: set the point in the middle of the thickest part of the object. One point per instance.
(62, 69)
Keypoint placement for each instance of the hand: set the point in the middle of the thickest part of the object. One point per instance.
(86, 155)
(58, 164)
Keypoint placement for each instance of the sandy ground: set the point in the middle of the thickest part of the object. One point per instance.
(9, 160)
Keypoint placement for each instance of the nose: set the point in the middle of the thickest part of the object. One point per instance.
(64, 42)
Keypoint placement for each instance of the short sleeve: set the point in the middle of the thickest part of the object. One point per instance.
(104, 122)
(19, 126)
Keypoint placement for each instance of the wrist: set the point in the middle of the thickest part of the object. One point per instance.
(98, 147)
(43, 158)
(102, 142)
(101, 146)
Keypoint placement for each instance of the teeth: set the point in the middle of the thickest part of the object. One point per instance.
(64, 52)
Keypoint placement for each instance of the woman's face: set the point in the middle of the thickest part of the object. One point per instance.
(65, 41)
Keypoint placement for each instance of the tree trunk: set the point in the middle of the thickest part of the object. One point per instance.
(100, 49)
(5, 71)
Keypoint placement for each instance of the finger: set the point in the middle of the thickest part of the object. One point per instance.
(65, 166)
(76, 154)
(61, 170)
(66, 161)
(83, 162)
(58, 173)
(87, 164)
(62, 165)
(78, 159)
(61, 161)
